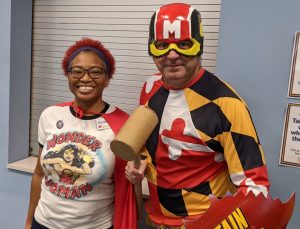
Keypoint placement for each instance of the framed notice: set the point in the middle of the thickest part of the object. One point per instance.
(294, 84)
(290, 146)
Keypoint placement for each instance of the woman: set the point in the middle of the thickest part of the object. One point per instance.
(78, 182)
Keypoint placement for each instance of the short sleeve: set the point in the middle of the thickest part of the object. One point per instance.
(41, 129)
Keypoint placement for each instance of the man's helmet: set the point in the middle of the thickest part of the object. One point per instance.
(176, 26)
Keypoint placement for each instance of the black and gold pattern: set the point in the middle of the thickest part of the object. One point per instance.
(231, 149)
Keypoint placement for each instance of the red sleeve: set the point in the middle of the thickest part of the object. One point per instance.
(143, 97)
(149, 88)
(259, 176)
(116, 119)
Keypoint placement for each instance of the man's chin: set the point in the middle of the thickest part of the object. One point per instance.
(173, 75)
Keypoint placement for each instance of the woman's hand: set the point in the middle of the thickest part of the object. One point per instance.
(135, 175)
(28, 226)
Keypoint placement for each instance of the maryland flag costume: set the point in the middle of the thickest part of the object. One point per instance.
(205, 144)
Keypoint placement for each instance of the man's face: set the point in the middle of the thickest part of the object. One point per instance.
(177, 70)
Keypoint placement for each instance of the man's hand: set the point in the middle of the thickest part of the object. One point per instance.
(135, 175)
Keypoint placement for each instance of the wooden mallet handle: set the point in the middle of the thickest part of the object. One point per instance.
(138, 190)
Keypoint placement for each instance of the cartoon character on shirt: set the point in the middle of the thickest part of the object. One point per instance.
(70, 162)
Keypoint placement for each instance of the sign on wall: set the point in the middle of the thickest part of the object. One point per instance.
(290, 146)
(294, 84)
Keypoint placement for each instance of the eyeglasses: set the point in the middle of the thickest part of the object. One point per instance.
(78, 72)
(184, 44)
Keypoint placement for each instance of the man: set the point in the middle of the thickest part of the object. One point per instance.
(205, 142)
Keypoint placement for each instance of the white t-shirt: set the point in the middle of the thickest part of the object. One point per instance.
(78, 189)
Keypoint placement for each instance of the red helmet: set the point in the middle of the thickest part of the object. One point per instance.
(173, 23)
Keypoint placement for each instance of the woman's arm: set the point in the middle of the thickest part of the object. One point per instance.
(51, 161)
(85, 169)
(35, 191)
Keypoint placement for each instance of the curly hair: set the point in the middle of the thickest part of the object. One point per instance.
(92, 45)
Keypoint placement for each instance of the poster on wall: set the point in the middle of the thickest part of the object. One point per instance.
(290, 145)
(294, 84)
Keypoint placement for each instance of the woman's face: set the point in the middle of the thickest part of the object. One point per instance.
(85, 89)
(69, 155)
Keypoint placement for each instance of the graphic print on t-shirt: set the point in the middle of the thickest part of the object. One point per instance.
(73, 164)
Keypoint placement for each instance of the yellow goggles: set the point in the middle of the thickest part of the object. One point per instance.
(190, 51)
